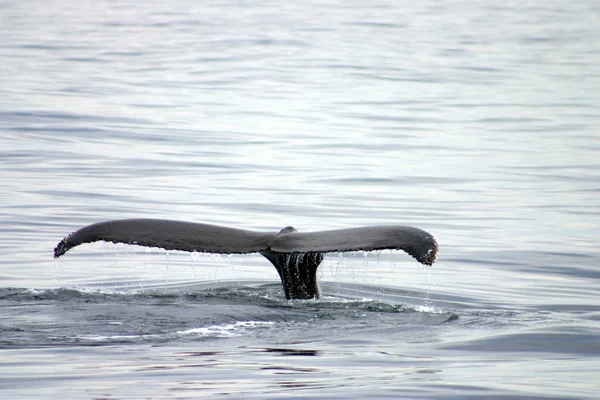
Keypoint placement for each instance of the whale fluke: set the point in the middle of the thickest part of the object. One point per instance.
(295, 255)
(416, 242)
(170, 235)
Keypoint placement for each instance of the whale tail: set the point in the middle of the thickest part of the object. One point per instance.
(295, 255)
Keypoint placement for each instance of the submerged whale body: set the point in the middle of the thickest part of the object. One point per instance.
(295, 255)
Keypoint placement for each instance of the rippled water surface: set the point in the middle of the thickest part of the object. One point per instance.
(476, 121)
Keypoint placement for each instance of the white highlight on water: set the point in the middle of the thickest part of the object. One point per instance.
(236, 329)
(227, 330)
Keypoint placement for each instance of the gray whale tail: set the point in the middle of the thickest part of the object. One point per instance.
(295, 255)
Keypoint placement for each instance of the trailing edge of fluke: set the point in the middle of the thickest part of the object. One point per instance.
(295, 255)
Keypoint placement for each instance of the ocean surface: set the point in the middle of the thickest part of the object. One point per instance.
(476, 121)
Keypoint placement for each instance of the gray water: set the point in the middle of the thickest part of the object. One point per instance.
(476, 121)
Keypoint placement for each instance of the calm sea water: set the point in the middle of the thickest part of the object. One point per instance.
(477, 121)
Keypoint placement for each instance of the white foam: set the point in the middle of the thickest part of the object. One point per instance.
(240, 328)
(100, 338)
(428, 309)
(226, 330)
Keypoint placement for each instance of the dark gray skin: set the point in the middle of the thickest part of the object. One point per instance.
(295, 255)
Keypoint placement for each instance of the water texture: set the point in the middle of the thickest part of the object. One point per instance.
(476, 121)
